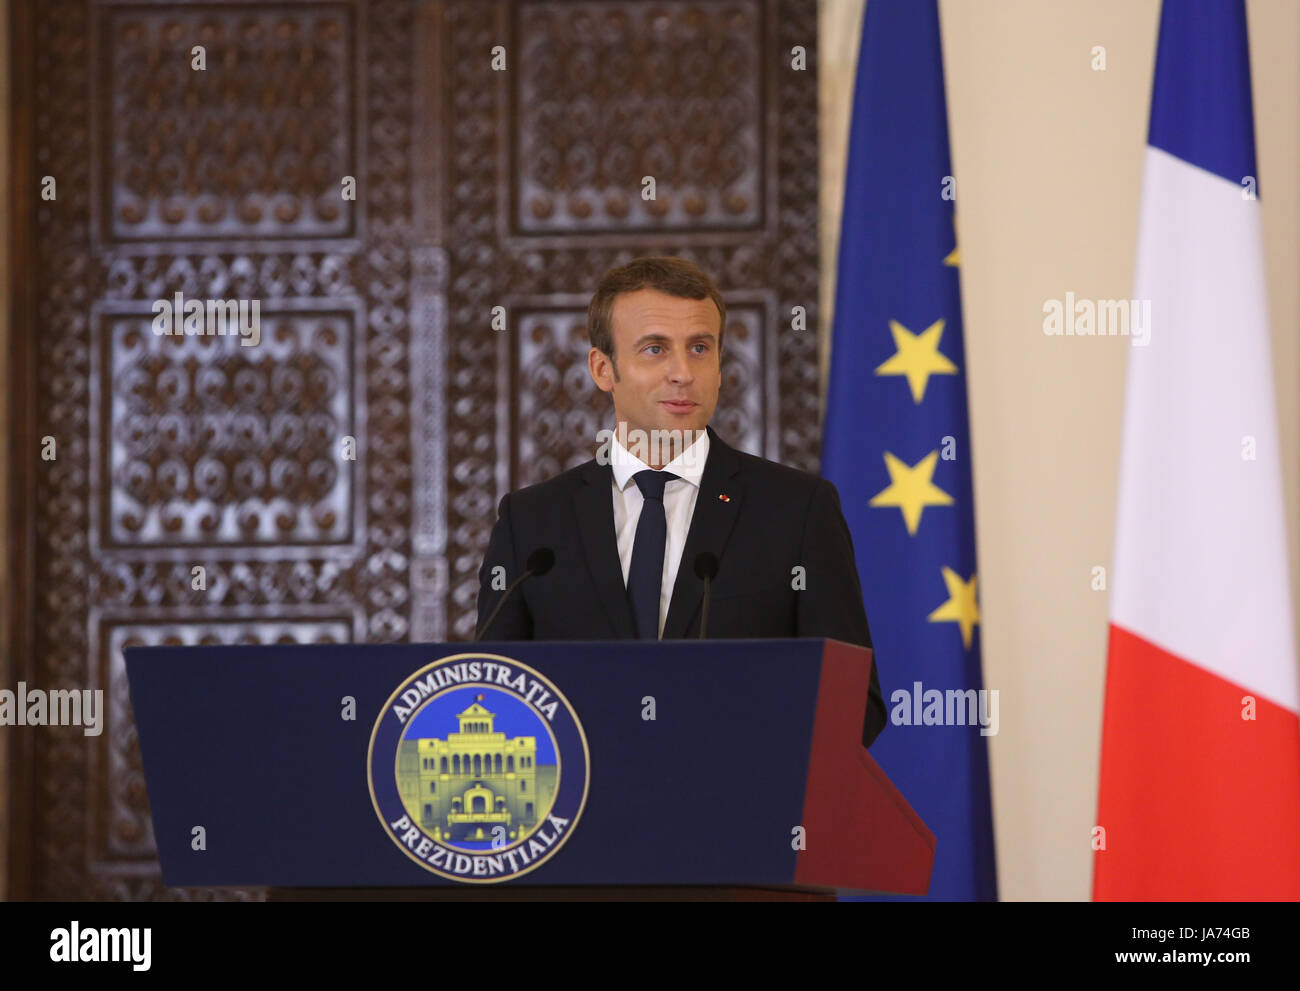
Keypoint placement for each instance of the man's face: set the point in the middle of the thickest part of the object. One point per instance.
(669, 367)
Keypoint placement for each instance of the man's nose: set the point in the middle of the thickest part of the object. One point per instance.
(679, 368)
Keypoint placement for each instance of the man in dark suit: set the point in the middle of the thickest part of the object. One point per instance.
(627, 526)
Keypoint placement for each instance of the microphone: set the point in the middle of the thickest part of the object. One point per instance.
(706, 569)
(539, 562)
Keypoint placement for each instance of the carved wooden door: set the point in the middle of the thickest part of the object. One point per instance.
(337, 481)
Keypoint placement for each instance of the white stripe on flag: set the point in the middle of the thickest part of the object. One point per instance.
(1200, 543)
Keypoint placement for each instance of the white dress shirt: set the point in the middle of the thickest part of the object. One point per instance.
(679, 506)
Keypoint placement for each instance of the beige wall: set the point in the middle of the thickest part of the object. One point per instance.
(1048, 154)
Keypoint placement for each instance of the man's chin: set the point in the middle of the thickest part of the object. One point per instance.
(689, 430)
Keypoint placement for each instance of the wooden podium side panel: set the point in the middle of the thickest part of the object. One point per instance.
(861, 833)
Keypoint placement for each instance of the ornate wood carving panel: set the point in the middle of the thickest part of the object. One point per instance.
(211, 443)
(252, 146)
(475, 188)
(607, 93)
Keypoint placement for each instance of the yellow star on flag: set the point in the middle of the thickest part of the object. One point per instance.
(954, 256)
(960, 607)
(911, 489)
(917, 357)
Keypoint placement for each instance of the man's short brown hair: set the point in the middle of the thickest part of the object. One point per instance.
(674, 276)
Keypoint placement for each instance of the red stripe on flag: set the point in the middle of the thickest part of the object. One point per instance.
(1197, 803)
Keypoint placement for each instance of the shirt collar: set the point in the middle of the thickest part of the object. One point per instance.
(689, 465)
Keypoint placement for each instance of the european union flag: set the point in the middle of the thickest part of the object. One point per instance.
(897, 441)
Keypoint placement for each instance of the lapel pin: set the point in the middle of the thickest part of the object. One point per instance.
(724, 497)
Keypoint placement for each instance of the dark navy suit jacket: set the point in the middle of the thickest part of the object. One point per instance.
(776, 518)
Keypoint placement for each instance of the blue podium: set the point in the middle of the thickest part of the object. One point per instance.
(464, 770)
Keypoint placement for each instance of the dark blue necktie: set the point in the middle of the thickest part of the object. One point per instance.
(645, 575)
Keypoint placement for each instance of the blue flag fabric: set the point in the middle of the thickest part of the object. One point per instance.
(896, 441)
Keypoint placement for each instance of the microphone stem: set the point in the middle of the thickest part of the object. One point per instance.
(500, 602)
(704, 610)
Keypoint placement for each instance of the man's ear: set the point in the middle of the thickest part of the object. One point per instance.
(602, 369)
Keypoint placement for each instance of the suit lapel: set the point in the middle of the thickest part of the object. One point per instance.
(594, 503)
(711, 525)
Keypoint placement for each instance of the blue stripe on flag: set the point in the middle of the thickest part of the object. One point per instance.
(1200, 103)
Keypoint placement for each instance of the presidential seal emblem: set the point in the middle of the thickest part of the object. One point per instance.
(478, 768)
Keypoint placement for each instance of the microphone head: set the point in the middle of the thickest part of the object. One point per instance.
(540, 561)
(706, 566)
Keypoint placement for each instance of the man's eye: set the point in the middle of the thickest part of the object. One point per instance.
(649, 346)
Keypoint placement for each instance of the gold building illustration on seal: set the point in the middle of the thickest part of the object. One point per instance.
(476, 786)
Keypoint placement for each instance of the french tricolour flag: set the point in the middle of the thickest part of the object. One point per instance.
(1200, 758)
